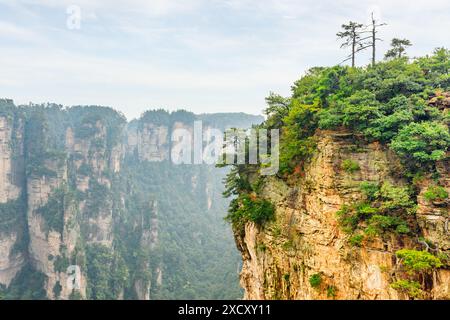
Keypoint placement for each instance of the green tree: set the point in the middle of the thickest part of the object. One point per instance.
(398, 48)
(351, 34)
(424, 142)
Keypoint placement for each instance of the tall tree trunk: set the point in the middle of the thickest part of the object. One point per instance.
(353, 50)
(374, 39)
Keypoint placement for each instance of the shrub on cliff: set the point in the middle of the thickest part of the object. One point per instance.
(248, 208)
(411, 288)
(422, 142)
(418, 261)
(315, 280)
(434, 193)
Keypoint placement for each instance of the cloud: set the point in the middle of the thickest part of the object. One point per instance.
(12, 31)
(144, 7)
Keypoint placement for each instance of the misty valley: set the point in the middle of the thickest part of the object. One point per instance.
(82, 187)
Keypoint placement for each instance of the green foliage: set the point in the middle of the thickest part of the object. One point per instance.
(75, 295)
(445, 258)
(418, 261)
(261, 247)
(182, 116)
(395, 197)
(157, 117)
(11, 214)
(195, 247)
(331, 291)
(315, 280)
(61, 199)
(61, 263)
(422, 142)
(359, 109)
(411, 288)
(87, 122)
(7, 108)
(277, 110)
(365, 210)
(387, 102)
(350, 166)
(356, 240)
(299, 123)
(247, 208)
(288, 245)
(384, 213)
(370, 190)
(236, 182)
(84, 169)
(434, 193)
(379, 224)
(349, 217)
(351, 35)
(57, 288)
(106, 271)
(398, 47)
(99, 196)
(28, 284)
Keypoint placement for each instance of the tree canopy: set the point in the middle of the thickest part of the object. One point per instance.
(388, 102)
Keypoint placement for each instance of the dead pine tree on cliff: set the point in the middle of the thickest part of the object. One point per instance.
(373, 37)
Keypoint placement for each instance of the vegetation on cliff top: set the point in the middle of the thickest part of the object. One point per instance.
(388, 102)
(403, 105)
(398, 103)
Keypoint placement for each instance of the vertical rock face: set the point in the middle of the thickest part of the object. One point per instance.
(92, 153)
(11, 159)
(153, 142)
(11, 212)
(50, 243)
(282, 257)
(433, 218)
(148, 239)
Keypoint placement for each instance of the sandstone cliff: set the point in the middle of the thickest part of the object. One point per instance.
(12, 256)
(306, 242)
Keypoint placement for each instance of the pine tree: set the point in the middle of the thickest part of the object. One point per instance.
(398, 48)
(352, 38)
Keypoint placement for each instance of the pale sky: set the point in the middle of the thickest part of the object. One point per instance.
(201, 55)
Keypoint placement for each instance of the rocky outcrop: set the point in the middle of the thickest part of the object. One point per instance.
(49, 245)
(150, 141)
(11, 159)
(12, 216)
(305, 239)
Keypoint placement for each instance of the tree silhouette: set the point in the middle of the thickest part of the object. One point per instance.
(373, 37)
(352, 38)
(398, 48)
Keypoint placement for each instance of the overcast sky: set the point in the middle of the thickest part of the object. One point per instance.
(201, 55)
